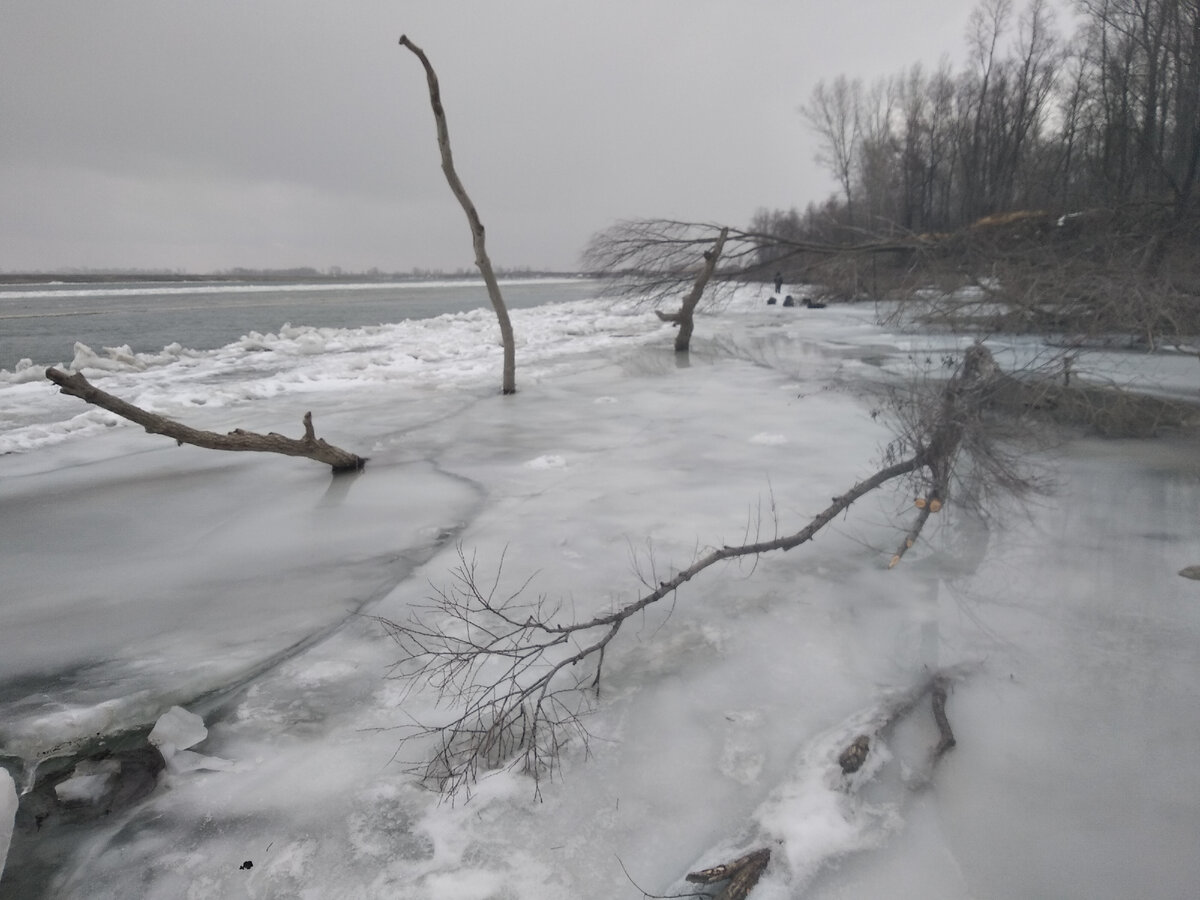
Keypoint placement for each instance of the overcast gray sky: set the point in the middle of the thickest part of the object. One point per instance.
(271, 133)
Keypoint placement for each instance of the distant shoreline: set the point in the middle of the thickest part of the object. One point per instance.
(272, 276)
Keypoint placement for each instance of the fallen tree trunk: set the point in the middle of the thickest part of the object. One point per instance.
(309, 446)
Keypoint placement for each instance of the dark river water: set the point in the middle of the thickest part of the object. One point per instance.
(43, 322)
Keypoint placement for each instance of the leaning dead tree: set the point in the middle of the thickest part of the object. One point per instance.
(482, 261)
(309, 446)
(655, 259)
(685, 317)
(517, 678)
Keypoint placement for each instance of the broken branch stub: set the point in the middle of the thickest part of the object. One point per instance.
(309, 446)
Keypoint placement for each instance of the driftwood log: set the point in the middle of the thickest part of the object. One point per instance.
(309, 446)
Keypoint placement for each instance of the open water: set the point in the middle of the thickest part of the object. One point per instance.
(43, 322)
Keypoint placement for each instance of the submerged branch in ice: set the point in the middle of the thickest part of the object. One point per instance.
(808, 820)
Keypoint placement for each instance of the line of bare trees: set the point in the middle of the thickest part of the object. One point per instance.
(1109, 116)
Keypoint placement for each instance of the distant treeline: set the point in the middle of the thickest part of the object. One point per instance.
(1034, 121)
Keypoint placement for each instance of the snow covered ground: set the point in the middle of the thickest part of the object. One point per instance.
(140, 576)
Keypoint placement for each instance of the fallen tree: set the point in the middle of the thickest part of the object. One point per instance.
(518, 678)
(309, 446)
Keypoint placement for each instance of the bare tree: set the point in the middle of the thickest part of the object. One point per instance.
(509, 384)
(309, 446)
(685, 317)
(833, 111)
(518, 678)
(654, 259)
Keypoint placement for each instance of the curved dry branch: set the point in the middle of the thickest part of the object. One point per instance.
(309, 446)
(482, 261)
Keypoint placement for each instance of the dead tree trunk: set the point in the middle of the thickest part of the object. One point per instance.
(685, 317)
(509, 385)
(309, 446)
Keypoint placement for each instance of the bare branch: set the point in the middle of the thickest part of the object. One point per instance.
(309, 446)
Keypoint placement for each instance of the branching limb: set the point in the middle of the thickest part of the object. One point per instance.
(309, 446)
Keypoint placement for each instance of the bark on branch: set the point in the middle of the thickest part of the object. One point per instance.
(509, 384)
(309, 446)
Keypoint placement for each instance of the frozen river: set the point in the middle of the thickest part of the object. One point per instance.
(139, 575)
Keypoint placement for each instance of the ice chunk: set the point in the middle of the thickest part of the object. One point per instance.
(549, 461)
(8, 813)
(177, 729)
(89, 783)
(186, 761)
(768, 438)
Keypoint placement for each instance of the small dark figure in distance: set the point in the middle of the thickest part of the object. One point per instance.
(808, 302)
(788, 301)
(778, 281)
(770, 301)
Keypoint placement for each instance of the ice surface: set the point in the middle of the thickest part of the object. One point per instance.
(245, 580)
